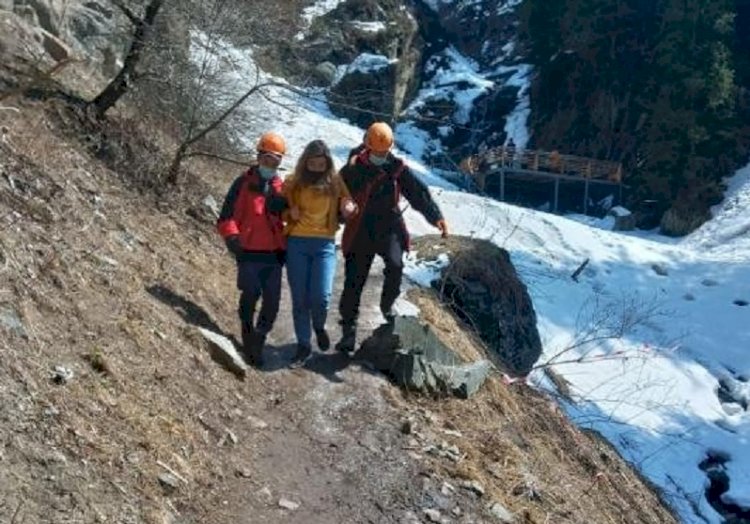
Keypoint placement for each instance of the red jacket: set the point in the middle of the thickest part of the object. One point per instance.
(252, 210)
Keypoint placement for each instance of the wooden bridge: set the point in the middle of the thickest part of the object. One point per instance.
(500, 165)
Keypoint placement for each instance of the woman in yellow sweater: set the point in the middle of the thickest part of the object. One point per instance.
(316, 197)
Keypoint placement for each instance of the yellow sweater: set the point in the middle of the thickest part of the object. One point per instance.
(318, 208)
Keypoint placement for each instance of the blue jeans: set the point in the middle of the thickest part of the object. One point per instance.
(310, 268)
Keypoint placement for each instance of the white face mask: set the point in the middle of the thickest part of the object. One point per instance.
(266, 173)
(378, 160)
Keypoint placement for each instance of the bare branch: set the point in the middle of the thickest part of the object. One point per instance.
(227, 112)
(217, 157)
(127, 12)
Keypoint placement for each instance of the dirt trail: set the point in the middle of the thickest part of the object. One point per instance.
(334, 443)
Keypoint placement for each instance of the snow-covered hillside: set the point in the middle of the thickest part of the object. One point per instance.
(657, 335)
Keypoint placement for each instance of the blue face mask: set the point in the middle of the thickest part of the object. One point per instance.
(266, 173)
(378, 160)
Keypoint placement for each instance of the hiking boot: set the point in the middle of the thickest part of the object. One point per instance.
(324, 341)
(252, 347)
(303, 353)
(389, 315)
(348, 339)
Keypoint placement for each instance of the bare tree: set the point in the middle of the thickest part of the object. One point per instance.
(199, 73)
(120, 84)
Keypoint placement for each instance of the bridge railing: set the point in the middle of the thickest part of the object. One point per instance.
(542, 161)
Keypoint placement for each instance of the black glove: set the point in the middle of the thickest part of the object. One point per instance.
(233, 245)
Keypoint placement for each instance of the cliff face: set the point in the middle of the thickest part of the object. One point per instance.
(91, 37)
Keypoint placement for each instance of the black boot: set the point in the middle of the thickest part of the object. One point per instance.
(303, 353)
(247, 340)
(324, 341)
(389, 315)
(252, 346)
(348, 339)
(256, 350)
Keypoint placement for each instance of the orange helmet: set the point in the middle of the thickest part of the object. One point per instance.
(379, 138)
(271, 143)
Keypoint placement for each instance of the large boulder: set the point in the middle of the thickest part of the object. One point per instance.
(415, 358)
(366, 87)
(482, 287)
(42, 33)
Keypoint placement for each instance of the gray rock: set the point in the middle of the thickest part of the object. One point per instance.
(433, 515)
(168, 482)
(481, 283)
(325, 72)
(224, 352)
(257, 423)
(415, 358)
(210, 203)
(660, 270)
(55, 47)
(501, 513)
(624, 219)
(287, 504)
(11, 322)
(62, 375)
(473, 486)
(265, 495)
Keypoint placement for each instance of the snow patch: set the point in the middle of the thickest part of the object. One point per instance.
(369, 27)
(422, 272)
(318, 9)
(364, 63)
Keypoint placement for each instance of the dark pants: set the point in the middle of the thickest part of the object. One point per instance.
(256, 280)
(358, 264)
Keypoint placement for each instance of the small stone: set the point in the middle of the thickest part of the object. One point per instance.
(56, 457)
(457, 511)
(244, 473)
(210, 203)
(709, 282)
(689, 297)
(257, 423)
(168, 482)
(500, 512)
(433, 515)
(473, 486)
(447, 489)
(51, 411)
(660, 270)
(453, 433)
(10, 320)
(496, 470)
(265, 495)
(287, 504)
(62, 375)
(407, 427)
(224, 352)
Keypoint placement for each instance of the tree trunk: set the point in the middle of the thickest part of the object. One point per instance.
(174, 168)
(120, 84)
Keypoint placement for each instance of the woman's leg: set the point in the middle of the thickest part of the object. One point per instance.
(321, 281)
(298, 266)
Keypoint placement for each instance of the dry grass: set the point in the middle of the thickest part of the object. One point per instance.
(523, 450)
(80, 251)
